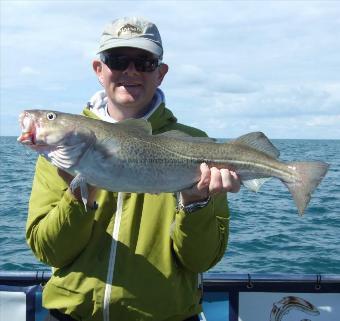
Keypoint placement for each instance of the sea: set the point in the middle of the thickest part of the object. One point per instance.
(267, 235)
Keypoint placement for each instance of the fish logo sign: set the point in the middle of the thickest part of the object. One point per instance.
(288, 303)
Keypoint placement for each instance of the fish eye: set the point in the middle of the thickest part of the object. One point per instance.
(51, 116)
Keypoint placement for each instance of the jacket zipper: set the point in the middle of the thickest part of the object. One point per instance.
(112, 259)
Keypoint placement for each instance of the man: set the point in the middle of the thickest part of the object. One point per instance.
(130, 256)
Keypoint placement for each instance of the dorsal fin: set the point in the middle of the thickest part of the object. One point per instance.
(139, 124)
(259, 141)
(184, 136)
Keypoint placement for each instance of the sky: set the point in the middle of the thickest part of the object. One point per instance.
(234, 66)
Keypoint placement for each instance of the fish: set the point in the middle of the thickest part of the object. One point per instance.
(288, 303)
(126, 156)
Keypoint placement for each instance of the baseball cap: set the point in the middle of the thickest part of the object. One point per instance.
(132, 32)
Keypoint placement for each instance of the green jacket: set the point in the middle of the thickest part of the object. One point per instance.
(134, 258)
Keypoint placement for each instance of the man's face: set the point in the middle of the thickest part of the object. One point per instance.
(130, 88)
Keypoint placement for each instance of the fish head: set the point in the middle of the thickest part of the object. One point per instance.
(44, 130)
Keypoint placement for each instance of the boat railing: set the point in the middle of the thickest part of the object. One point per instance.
(226, 297)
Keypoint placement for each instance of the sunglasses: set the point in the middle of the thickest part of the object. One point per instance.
(121, 62)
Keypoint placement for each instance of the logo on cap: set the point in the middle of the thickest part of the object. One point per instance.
(128, 28)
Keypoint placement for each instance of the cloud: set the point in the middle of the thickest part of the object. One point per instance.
(232, 83)
(323, 121)
(281, 111)
(280, 101)
(192, 76)
(313, 127)
(29, 71)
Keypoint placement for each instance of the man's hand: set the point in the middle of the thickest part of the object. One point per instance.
(91, 189)
(213, 181)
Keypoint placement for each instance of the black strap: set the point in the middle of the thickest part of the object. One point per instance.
(64, 317)
(193, 318)
(61, 316)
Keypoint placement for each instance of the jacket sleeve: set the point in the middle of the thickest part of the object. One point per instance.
(200, 238)
(55, 217)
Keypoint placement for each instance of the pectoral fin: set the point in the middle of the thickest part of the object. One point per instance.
(80, 181)
(255, 184)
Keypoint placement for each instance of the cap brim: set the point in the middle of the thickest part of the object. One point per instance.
(140, 43)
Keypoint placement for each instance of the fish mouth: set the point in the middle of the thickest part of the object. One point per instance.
(28, 136)
(28, 129)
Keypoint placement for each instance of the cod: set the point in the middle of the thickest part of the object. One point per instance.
(126, 157)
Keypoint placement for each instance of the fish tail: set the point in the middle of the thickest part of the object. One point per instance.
(308, 177)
